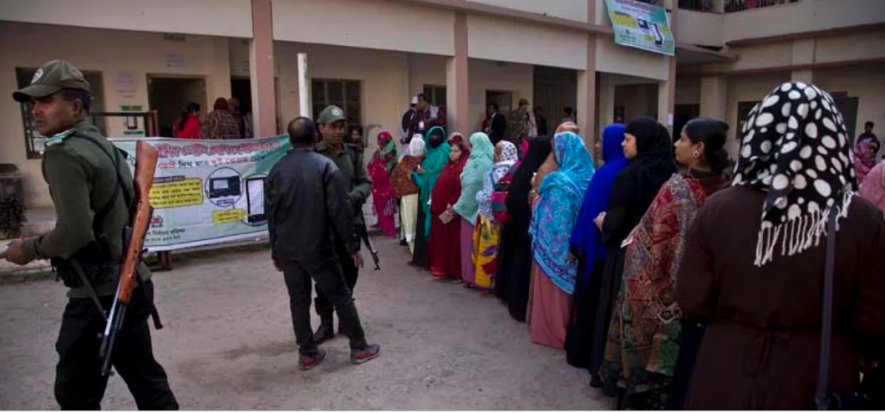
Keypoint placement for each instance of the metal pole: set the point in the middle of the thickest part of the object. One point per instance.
(303, 85)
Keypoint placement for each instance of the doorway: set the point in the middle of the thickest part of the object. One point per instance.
(503, 99)
(170, 95)
(681, 115)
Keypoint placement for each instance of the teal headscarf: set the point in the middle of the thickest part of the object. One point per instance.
(435, 159)
(482, 155)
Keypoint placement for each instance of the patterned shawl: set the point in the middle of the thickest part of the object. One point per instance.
(509, 156)
(863, 162)
(644, 334)
(873, 187)
(554, 215)
(482, 154)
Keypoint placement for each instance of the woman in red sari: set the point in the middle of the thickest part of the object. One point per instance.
(383, 196)
(444, 248)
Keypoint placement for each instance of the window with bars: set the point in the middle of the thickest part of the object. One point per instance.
(436, 94)
(35, 143)
(346, 94)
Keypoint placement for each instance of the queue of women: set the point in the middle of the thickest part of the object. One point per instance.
(675, 279)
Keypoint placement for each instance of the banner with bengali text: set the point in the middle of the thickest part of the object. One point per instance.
(641, 25)
(208, 191)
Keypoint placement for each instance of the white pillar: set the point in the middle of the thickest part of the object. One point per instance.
(714, 97)
(457, 86)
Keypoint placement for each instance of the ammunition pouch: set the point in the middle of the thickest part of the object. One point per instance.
(91, 264)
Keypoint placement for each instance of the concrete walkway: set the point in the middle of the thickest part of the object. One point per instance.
(228, 344)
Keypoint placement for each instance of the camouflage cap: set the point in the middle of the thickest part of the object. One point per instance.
(52, 77)
(330, 114)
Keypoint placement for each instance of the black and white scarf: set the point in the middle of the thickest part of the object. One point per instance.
(795, 147)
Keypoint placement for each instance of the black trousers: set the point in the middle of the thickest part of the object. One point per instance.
(324, 305)
(326, 272)
(79, 384)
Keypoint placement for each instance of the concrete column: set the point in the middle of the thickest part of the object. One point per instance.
(667, 89)
(261, 69)
(606, 101)
(586, 99)
(457, 86)
(803, 54)
(714, 97)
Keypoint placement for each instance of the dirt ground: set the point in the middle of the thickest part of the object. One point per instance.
(228, 344)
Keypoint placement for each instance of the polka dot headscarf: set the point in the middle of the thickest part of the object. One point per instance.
(795, 147)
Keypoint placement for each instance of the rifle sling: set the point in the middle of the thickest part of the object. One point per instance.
(100, 215)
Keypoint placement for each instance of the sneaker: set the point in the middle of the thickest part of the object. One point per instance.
(370, 351)
(308, 362)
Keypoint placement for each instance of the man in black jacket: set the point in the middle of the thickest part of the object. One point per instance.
(495, 124)
(307, 206)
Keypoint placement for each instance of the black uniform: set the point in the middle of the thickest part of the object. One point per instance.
(307, 208)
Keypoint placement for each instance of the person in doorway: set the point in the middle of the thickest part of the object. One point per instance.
(220, 124)
(868, 132)
(308, 207)
(864, 155)
(444, 252)
(541, 121)
(188, 125)
(522, 126)
(408, 124)
(435, 159)
(383, 195)
(403, 181)
(480, 162)
(330, 124)
(646, 332)
(648, 146)
(495, 124)
(429, 116)
(236, 110)
(90, 183)
(554, 269)
(569, 115)
(355, 138)
(755, 259)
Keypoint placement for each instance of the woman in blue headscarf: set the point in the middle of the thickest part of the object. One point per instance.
(585, 245)
(554, 270)
(435, 159)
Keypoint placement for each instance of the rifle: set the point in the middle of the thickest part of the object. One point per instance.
(145, 166)
(364, 235)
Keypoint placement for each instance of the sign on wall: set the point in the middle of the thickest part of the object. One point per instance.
(641, 25)
(208, 191)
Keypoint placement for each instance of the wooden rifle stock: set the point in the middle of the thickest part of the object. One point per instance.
(146, 157)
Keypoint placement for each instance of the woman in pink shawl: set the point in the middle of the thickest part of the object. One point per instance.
(873, 187)
(865, 157)
(382, 192)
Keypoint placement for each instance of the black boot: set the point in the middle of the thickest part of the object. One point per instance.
(326, 331)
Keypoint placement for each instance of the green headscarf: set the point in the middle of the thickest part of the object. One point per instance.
(482, 155)
(435, 160)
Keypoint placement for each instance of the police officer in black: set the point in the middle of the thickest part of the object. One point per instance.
(91, 186)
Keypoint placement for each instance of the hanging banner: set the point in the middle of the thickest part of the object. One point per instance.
(641, 25)
(208, 191)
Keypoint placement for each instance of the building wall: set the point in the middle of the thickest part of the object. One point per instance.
(867, 83)
(688, 91)
(700, 28)
(613, 58)
(375, 24)
(425, 70)
(231, 18)
(384, 75)
(514, 41)
(124, 58)
(747, 89)
(564, 9)
(804, 16)
(486, 75)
